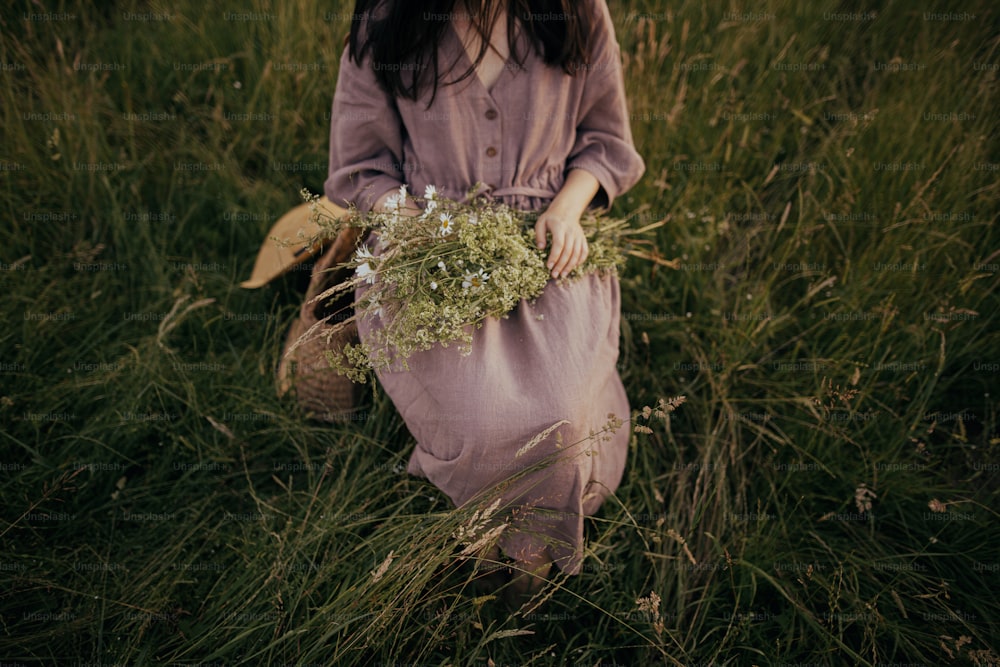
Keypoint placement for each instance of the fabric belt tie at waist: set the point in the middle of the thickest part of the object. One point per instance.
(515, 191)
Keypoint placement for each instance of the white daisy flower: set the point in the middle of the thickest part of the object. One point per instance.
(430, 192)
(402, 192)
(447, 226)
(373, 306)
(475, 280)
(429, 208)
(392, 203)
(364, 269)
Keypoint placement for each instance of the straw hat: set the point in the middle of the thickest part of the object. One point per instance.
(319, 389)
(294, 231)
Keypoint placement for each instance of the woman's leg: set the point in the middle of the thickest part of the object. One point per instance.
(528, 577)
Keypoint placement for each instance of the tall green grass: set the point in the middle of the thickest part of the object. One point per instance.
(832, 324)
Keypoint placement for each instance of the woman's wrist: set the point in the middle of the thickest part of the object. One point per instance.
(575, 195)
(380, 204)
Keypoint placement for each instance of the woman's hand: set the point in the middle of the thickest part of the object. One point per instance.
(561, 220)
(569, 245)
(407, 204)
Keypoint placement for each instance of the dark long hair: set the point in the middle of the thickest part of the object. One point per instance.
(403, 37)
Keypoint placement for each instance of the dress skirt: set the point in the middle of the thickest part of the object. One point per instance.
(549, 360)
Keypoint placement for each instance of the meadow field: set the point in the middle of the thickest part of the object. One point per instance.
(827, 493)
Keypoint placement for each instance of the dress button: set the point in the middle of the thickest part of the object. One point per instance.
(491, 114)
(491, 152)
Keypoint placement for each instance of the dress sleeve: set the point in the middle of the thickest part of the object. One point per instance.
(603, 144)
(366, 138)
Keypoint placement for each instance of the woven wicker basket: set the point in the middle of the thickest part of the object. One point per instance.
(321, 391)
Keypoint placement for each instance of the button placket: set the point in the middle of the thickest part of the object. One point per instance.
(493, 145)
(491, 114)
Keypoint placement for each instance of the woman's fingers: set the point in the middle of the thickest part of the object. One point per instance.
(570, 257)
(559, 262)
(557, 251)
(569, 245)
(540, 233)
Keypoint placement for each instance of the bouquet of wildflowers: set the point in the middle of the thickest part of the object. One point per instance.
(433, 275)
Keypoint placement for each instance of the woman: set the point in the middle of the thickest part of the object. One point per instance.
(526, 98)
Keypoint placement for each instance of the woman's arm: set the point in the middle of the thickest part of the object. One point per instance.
(603, 143)
(561, 220)
(366, 138)
(603, 162)
(407, 204)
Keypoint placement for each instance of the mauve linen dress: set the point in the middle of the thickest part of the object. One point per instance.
(551, 360)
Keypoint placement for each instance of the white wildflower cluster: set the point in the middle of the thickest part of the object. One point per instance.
(434, 274)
